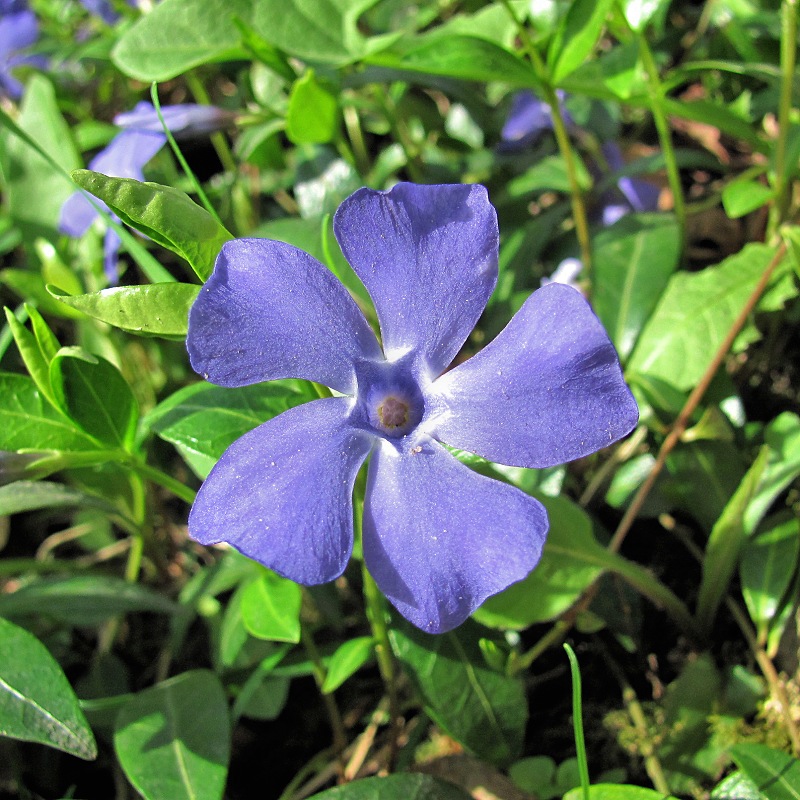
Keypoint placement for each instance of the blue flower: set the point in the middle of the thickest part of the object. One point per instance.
(529, 117)
(632, 194)
(437, 537)
(123, 157)
(19, 29)
(183, 119)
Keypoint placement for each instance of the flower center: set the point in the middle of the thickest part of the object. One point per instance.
(393, 413)
(389, 399)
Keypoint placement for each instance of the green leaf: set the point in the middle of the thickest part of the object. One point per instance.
(347, 659)
(576, 36)
(694, 315)
(483, 709)
(156, 309)
(32, 495)
(178, 35)
(30, 286)
(617, 791)
(313, 113)
(271, 608)
(736, 786)
(742, 196)
(549, 172)
(27, 422)
(466, 57)
(403, 786)
(203, 420)
(36, 362)
(782, 437)
(571, 560)
(639, 13)
(776, 774)
(633, 261)
(173, 740)
(84, 600)
(37, 703)
(768, 563)
(165, 214)
(94, 394)
(725, 543)
(35, 189)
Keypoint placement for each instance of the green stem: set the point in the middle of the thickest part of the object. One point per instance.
(179, 155)
(664, 133)
(562, 138)
(780, 207)
(219, 142)
(335, 718)
(577, 721)
(162, 479)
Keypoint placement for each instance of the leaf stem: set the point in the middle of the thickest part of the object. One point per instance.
(162, 479)
(577, 721)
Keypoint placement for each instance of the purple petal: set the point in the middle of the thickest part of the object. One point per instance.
(547, 390)
(111, 243)
(439, 538)
(185, 118)
(529, 116)
(428, 257)
(17, 31)
(77, 214)
(272, 311)
(127, 153)
(613, 212)
(282, 493)
(642, 196)
(102, 9)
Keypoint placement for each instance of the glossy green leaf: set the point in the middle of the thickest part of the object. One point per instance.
(782, 437)
(203, 420)
(466, 57)
(232, 634)
(173, 740)
(484, 710)
(767, 566)
(740, 197)
(402, 786)
(27, 421)
(165, 214)
(694, 314)
(725, 543)
(271, 608)
(576, 36)
(156, 309)
(776, 774)
(37, 703)
(571, 560)
(83, 600)
(632, 263)
(36, 362)
(639, 13)
(617, 791)
(736, 786)
(548, 173)
(346, 660)
(35, 189)
(313, 113)
(94, 394)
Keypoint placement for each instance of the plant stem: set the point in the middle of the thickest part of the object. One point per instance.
(162, 479)
(664, 134)
(577, 721)
(562, 138)
(780, 205)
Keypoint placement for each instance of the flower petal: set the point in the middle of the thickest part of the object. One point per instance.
(282, 493)
(439, 538)
(547, 390)
(272, 311)
(428, 257)
(529, 116)
(181, 119)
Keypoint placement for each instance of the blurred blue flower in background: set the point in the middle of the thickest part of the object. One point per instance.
(124, 157)
(437, 537)
(182, 119)
(19, 29)
(631, 194)
(529, 117)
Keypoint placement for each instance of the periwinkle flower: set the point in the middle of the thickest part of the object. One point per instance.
(437, 537)
(182, 119)
(19, 29)
(529, 117)
(632, 195)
